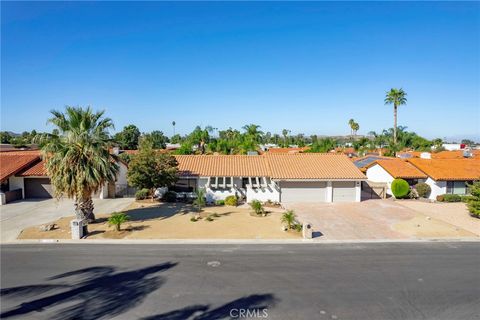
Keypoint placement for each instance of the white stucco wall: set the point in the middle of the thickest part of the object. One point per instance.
(377, 174)
(17, 183)
(263, 194)
(122, 174)
(438, 188)
(213, 195)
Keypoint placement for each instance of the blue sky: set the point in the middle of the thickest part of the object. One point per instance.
(307, 67)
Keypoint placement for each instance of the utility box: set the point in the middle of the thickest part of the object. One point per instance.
(78, 228)
(307, 230)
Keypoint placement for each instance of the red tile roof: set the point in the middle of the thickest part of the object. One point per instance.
(398, 168)
(449, 169)
(37, 169)
(288, 150)
(457, 154)
(12, 162)
(222, 165)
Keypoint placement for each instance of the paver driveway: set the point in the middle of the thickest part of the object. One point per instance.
(371, 219)
(16, 216)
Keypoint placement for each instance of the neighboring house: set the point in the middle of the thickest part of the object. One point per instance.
(448, 176)
(23, 176)
(387, 170)
(283, 178)
(363, 162)
(456, 154)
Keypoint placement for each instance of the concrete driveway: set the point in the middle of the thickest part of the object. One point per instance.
(16, 216)
(373, 219)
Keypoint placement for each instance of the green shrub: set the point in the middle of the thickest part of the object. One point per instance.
(423, 189)
(449, 198)
(474, 202)
(298, 227)
(400, 188)
(209, 218)
(200, 200)
(231, 201)
(257, 207)
(117, 218)
(193, 219)
(142, 194)
(467, 199)
(220, 202)
(169, 196)
(288, 218)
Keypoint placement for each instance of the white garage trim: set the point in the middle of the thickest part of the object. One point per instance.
(303, 191)
(344, 191)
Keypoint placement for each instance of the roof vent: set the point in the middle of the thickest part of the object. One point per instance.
(252, 153)
(425, 155)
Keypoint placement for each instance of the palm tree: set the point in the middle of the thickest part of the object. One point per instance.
(173, 124)
(355, 128)
(285, 133)
(351, 122)
(397, 97)
(289, 218)
(77, 160)
(252, 130)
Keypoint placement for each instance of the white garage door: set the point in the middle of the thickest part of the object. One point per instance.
(303, 191)
(344, 191)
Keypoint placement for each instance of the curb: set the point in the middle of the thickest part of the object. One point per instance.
(236, 241)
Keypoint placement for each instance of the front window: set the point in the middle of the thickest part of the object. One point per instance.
(456, 187)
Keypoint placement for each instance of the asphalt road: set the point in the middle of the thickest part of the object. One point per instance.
(295, 281)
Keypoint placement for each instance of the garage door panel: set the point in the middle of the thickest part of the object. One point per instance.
(344, 191)
(38, 188)
(304, 191)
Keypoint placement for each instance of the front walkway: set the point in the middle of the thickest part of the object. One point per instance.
(16, 216)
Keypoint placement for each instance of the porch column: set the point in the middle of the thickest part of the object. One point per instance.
(358, 191)
(329, 192)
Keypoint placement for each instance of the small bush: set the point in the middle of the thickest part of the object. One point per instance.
(449, 198)
(423, 189)
(117, 218)
(231, 201)
(413, 194)
(298, 227)
(288, 218)
(257, 207)
(209, 218)
(193, 219)
(467, 199)
(400, 188)
(142, 194)
(474, 201)
(220, 202)
(169, 196)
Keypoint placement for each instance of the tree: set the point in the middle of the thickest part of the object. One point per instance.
(285, 133)
(199, 201)
(150, 169)
(128, 137)
(323, 145)
(350, 123)
(173, 125)
(158, 140)
(252, 131)
(468, 142)
(5, 137)
(77, 160)
(474, 203)
(397, 97)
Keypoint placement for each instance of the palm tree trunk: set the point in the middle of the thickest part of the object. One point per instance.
(395, 124)
(88, 207)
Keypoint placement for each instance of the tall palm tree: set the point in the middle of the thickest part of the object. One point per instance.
(173, 124)
(77, 160)
(252, 130)
(397, 97)
(285, 133)
(351, 122)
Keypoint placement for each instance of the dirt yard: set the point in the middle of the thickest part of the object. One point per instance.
(452, 213)
(172, 221)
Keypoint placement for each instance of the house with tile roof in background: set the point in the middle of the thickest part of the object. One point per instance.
(23, 176)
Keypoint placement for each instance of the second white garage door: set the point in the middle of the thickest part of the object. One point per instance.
(303, 191)
(344, 191)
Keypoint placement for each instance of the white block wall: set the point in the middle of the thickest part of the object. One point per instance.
(438, 188)
(263, 194)
(17, 183)
(377, 174)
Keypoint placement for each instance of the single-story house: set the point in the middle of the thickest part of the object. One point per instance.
(444, 176)
(286, 178)
(448, 176)
(387, 170)
(23, 176)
